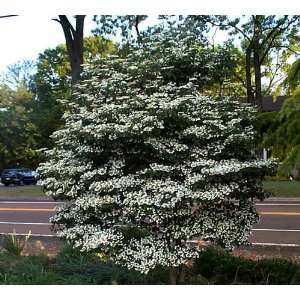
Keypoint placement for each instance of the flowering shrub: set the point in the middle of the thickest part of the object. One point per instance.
(145, 165)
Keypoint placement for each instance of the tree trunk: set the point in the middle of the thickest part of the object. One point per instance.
(136, 26)
(250, 96)
(182, 275)
(257, 74)
(74, 44)
(173, 276)
(177, 275)
(257, 32)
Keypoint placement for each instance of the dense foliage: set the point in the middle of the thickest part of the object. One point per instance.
(73, 267)
(18, 134)
(280, 135)
(52, 82)
(145, 163)
(29, 110)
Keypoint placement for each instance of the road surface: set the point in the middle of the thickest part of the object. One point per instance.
(279, 220)
(24, 216)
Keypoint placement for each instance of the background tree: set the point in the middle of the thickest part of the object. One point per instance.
(19, 74)
(18, 135)
(291, 83)
(128, 26)
(229, 79)
(260, 36)
(279, 131)
(30, 110)
(52, 82)
(74, 43)
(265, 41)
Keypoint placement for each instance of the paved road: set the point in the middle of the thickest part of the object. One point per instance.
(22, 216)
(279, 222)
(279, 219)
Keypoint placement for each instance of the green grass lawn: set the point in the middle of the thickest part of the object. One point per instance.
(21, 191)
(283, 188)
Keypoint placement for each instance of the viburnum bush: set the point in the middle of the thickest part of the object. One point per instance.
(145, 164)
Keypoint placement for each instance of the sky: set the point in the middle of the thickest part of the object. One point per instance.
(25, 36)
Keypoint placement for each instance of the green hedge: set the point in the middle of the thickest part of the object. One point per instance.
(220, 267)
(212, 267)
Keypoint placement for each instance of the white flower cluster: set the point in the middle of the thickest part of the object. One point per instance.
(93, 236)
(146, 253)
(145, 165)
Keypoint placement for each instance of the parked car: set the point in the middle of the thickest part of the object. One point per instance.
(10, 176)
(27, 176)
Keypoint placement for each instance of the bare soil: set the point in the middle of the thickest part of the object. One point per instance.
(269, 252)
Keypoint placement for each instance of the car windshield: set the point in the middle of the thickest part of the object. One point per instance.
(9, 172)
(24, 170)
